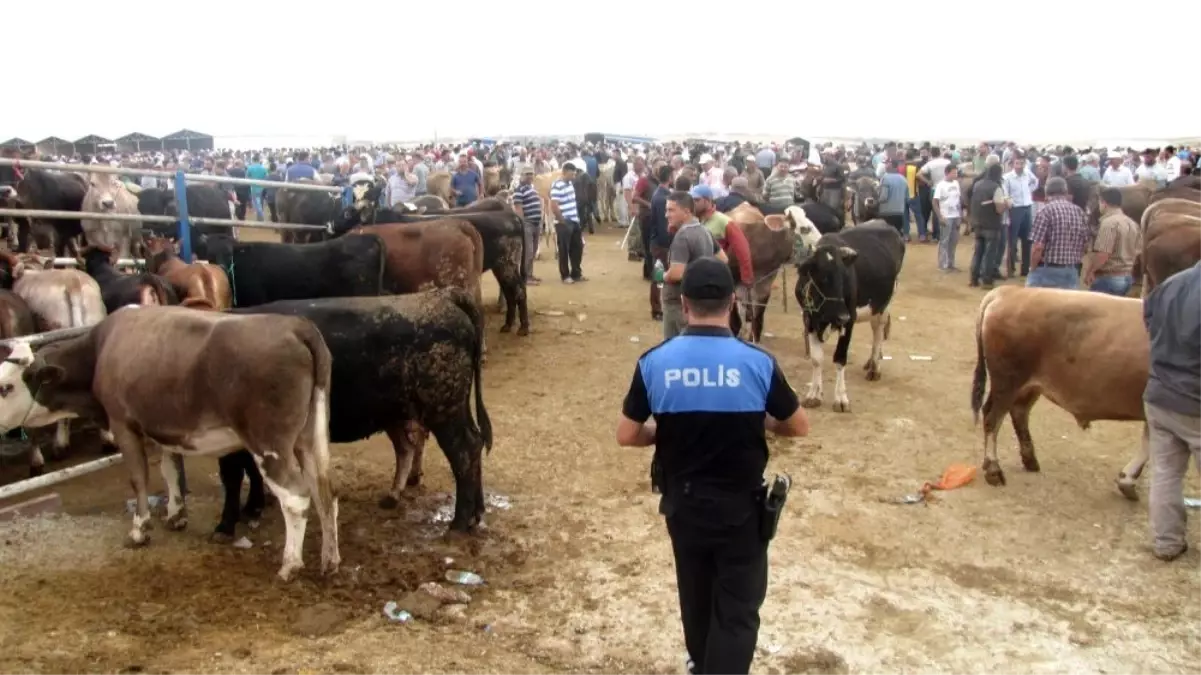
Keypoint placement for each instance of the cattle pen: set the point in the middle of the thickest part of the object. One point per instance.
(184, 221)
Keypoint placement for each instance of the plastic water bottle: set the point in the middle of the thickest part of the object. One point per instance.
(659, 272)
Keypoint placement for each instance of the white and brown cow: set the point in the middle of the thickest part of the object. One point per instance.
(107, 194)
(1086, 352)
(57, 299)
(194, 383)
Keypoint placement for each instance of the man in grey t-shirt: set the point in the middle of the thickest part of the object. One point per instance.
(689, 242)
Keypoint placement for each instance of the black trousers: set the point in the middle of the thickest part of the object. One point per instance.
(571, 249)
(897, 220)
(721, 575)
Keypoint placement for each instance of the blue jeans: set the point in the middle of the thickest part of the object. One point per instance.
(1021, 221)
(982, 258)
(914, 206)
(257, 201)
(1045, 276)
(1113, 285)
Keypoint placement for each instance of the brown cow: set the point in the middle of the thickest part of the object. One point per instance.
(194, 383)
(492, 184)
(107, 194)
(438, 184)
(432, 254)
(1172, 242)
(1086, 352)
(773, 241)
(1134, 201)
(16, 319)
(199, 285)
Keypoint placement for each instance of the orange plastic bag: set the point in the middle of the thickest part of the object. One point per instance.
(956, 476)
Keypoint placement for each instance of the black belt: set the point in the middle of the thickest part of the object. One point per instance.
(1057, 265)
(706, 491)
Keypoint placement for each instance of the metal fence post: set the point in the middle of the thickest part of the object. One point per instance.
(185, 225)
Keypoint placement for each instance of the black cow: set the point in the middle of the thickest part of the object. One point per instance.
(865, 199)
(383, 379)
(119, 290)
(850, 276)
(503, 234)
(586, 199)
(204, 201)
(261, 272)
(824, 218)
(52, 191)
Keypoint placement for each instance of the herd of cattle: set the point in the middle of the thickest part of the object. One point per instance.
(268, 352)
(391, 340)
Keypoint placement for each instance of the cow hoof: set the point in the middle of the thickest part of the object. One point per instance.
(289, 570)
(35, 471)
(523, 331)
(178, 523)
(414, 479)
(873, 375)
(994, 476)
(136, 540)
(330, 567)
(1031, 464)
(389, 502)
(842, 406)
(506, 328)
(811, 402)
(1128, 489)
(220, 537)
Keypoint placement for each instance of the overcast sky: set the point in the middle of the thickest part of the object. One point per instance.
(413, 69)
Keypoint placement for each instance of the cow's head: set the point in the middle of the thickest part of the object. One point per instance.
(364, 198)
(22, 399)
(11, 269)
(866, 191)
(806, 231)
(104, 189)
(824, 283)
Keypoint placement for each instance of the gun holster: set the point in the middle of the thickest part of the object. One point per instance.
(774, 498)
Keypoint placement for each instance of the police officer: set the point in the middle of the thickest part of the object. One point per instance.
(712, 397)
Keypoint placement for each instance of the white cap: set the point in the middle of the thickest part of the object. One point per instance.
(706, 158)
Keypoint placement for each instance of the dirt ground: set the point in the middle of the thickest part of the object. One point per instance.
(1052, 573)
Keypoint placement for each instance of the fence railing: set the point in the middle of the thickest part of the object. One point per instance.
(181, 179)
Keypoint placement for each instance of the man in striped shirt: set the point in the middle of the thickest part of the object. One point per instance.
(526, 198)
(567, 225)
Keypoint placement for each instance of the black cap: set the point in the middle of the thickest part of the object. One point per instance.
(707, 279)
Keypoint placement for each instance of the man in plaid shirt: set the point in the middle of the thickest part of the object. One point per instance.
(1060, 237)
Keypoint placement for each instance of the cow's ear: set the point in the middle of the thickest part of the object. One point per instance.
(47, 375)
(847, 254)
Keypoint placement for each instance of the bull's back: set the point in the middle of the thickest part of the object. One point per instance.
(392, 356)
(1086, 352)
(348, 266)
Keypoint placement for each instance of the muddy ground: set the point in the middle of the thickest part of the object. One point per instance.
(1051, 573)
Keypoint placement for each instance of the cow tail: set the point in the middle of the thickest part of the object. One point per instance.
(525, 273)
(383, 267)
(980, 377)
(317, 463)
(466, 303)
(74, 305)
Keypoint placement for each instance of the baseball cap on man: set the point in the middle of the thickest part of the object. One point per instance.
(701, 192)
(707, 278)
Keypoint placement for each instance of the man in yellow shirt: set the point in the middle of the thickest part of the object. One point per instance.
(914, 204)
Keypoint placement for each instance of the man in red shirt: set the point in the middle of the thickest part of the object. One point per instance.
(727, 233)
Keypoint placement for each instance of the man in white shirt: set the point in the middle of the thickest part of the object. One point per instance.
(625, 205)
(1171, 163)
(1151, 169)
(402, 185)
(932, 173)
(1019, 186)
(1117, 174)
(949, 210)
(711, 175)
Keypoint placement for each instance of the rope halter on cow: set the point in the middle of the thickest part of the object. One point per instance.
(807, 297)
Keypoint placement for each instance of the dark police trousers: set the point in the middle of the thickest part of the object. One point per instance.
(721, 573)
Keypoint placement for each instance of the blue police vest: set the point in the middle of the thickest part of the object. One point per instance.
(700, 373)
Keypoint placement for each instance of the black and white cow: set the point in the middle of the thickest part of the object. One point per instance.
(850, 277)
